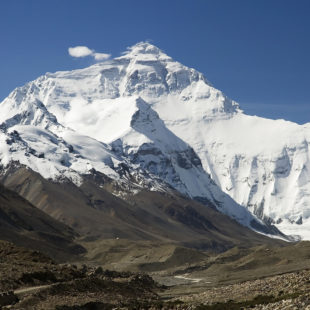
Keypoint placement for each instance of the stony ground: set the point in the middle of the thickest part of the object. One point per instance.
(20, 267)
(96, 291)
(40, 283)
(286, 291)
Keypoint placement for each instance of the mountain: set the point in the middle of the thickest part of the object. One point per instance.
(24, 224)
(148, 122)
(95, 213)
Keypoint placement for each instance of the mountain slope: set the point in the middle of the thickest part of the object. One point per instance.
(97, 214)
(26, 225)
(166, 124)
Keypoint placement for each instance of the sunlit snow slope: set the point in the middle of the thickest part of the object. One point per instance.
(165, 120)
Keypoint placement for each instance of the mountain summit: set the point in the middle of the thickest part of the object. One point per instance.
(170, 128)
(144, 48)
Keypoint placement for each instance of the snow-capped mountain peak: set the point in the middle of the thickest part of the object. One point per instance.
(144, 50)
(168, 122)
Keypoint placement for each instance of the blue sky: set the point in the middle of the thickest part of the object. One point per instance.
(256, 51)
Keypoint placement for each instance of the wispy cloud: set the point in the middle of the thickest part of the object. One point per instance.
(84, 51)
(101, 56)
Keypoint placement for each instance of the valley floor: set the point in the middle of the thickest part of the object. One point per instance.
(286, 291)
(33, 281)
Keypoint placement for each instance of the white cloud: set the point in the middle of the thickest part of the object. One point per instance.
(83, 51)
(79, 51)
(101, 56)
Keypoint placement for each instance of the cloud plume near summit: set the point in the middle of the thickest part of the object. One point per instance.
(84, 51)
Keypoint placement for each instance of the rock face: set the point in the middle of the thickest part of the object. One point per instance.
(168, 126)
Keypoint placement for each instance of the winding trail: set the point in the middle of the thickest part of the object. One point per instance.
(32, 289)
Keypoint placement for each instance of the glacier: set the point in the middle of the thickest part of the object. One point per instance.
(165, 122)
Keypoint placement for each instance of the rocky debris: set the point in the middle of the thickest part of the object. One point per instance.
(286, 291)
(39, 283)
(21, 268)
(301, 302)
(95, 292)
